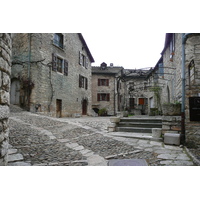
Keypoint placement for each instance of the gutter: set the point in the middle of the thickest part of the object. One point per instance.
(184, 39)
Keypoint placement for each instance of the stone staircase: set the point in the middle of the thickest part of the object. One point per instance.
(138, 127)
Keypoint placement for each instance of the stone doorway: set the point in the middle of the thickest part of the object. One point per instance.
(84, 107)
(58, 108)
(15, 92)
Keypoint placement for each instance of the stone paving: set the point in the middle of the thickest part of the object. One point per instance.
(37, 140)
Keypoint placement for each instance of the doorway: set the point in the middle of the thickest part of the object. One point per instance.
(84, 107)
(58, 108)
(14, 92)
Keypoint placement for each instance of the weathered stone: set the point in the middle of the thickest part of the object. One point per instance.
(15, 157)
(172, 138)
(4, 97)
(115, 119)
(156, 132)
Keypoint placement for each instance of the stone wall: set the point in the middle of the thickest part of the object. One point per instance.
(172, 81)
(192, 69)
(5, 69)
(50, 86)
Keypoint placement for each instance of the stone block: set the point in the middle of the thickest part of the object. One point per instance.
(172, 138)
(4, 97)
(176, 128)
(166, 127)
(156, 132)
(111, 129)
(115, 119)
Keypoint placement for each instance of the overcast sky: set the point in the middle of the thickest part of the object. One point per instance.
(128, 49)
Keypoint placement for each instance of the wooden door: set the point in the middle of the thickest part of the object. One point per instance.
(84, 107)
(58, 108)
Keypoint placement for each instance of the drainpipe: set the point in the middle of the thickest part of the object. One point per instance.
(114, 94)
(184, 38)
(29, 66)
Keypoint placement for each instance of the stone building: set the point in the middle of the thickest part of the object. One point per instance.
(181, 80)
(5, 70)
(137, 90)
(107, 89)
(51, 73)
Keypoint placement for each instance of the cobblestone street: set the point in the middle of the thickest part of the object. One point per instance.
(37, 140)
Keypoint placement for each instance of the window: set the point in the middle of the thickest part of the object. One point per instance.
(58, 40)
(103, 82)
(103, 97)
(59, 65)
(172, 47)
(160, 69)
(83, 60)
(83, 82)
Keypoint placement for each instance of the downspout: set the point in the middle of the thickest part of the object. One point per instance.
(184, 38)
(114, 94)
(29, 67)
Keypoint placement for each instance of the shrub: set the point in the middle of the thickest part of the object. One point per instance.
(102, 112)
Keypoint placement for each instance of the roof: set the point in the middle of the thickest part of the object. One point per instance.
(107, 70)
(86, 47)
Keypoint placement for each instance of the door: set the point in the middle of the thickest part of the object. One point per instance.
(14, 93)
(58, 108)
(84, 107)
(131, 103)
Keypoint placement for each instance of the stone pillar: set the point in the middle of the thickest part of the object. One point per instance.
(5, 70)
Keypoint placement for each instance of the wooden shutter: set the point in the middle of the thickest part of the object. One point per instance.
(65, 68)
(98, 97)
(108, 97)
(54, 62)
(80, 81)
(86, 65)
(99, 80)
(107, 82)
(86, 83)
(80, 58)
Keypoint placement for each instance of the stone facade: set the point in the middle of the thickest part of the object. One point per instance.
(5, 70)
(137, 91)
(107, 89)
(51, 74)
(171, 81)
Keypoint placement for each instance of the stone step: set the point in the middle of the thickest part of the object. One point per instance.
(139, 124)
(134, 129)
(144, 136)
(142, 120)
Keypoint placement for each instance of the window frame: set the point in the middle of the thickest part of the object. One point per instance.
(103, 96)
(58, 40)
(83, 60)
(83, 82)
(64, 67)
(103, 82)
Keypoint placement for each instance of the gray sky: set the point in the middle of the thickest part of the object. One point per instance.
(128, 49)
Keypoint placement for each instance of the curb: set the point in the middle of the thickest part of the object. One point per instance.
(195, 160)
